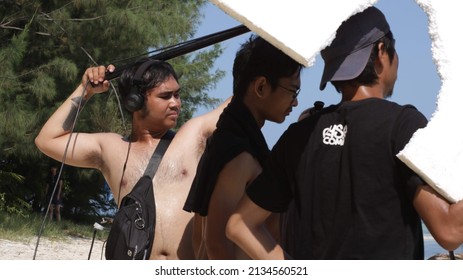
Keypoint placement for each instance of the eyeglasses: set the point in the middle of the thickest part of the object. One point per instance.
(295, 92)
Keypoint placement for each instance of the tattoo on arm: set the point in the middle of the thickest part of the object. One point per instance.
(77, 103)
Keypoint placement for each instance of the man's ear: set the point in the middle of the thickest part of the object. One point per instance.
(382, 55)
(382, 51)
(259, 86)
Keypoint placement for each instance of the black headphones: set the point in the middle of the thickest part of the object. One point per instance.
(135, 100)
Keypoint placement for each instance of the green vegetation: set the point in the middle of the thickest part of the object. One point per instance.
(45, 47)
(17, 228)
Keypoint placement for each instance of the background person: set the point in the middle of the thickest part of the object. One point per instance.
(54, 201)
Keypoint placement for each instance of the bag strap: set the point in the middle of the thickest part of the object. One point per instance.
(158, 153)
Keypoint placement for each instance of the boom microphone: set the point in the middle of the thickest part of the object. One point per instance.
(186, 47)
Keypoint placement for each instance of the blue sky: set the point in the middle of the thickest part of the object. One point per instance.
(418, 82)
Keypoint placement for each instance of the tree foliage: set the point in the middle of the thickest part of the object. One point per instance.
(45, 47)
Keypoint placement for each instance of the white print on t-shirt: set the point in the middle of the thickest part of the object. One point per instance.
(334, 135)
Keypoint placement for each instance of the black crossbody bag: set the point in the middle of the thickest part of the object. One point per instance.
(132, 233)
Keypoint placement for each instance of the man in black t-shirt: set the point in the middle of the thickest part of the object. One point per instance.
(354, 199)
(266, 82)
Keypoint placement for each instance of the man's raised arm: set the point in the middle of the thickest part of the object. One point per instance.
(54, 135)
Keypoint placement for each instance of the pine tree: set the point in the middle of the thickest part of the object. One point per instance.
(45, 47)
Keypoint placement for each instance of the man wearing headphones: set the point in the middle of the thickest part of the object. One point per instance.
(150, 90)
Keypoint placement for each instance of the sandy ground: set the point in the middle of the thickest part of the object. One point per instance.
(72, 248)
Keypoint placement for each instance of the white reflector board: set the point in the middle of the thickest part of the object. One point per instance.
(300, 28)
(436, 152)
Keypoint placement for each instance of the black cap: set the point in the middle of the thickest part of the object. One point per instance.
(346, 57)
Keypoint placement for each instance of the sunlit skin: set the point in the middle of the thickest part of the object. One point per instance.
(108, 151)
(265, 103)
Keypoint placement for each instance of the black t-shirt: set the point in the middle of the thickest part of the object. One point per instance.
(237, 131)
(353, 197)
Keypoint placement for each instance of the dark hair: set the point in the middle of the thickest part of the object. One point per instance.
(257, 58)
(368, 75)
(154, 75)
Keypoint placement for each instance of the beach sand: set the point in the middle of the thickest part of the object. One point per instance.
(75, 248)
(71, 248)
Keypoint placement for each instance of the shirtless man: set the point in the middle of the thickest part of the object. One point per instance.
(109, 152)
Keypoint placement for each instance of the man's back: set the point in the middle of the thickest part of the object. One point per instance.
(352, 196)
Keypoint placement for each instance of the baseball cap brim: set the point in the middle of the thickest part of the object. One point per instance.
(346, 68)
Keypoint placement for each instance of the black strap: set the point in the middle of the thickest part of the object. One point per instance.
(158, 153)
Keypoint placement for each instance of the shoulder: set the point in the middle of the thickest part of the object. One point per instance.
(394, 112)
(111, 143)
(412, 111)
(409, 115)
(407, 109)
(111, 140)
(244, 167)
